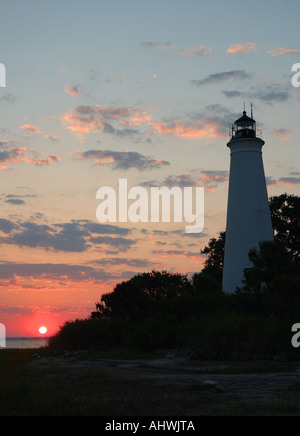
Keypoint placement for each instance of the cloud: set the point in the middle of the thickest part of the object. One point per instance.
(178, 253)
(75, 91)
(75, 273)
(52, 138)
(289, 181)
(282, 134)
(185, 129)
(182, 180)
(242, 48)
(210, 124)
(29, 128)
(15, 201)
(199, 51)
(76, 236)
(276, 92)
(221, 77)
(120, 261)
(44, 162)
(8, 98)
(271, 182)
(93, 119)
(122, 244)
(155, 45)
(103, 229)
(10, 154)
(280, 51)
(209, 179)
(6, 226)
(121, 160)
(232, 94)
(272, 94)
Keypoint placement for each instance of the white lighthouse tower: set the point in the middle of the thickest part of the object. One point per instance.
(248, 216)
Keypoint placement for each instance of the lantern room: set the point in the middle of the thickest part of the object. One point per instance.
(244, 127)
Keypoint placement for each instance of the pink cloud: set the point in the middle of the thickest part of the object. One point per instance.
(75, 91)
(11, 154)
(43, 162)
(282, 134)
(52, 138)
(242, 48)
(89, 119)
(280, 51)
(214, 177)
(199, 51)
(183, 129)
(30, 128)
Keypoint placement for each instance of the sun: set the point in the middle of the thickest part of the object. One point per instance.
(43, 330)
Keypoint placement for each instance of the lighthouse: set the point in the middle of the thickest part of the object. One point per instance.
(248, 215)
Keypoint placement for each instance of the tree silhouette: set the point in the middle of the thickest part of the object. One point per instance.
(145, 294)
(285, 212)
(215, 253)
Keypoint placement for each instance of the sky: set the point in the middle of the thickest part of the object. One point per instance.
(99, 91)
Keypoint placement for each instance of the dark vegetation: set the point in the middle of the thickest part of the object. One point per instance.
(160, 310)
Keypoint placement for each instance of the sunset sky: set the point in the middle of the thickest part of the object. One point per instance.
(145, 91)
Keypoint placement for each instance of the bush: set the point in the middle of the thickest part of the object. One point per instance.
(87, 334)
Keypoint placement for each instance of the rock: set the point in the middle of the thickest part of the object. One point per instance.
(36, 356)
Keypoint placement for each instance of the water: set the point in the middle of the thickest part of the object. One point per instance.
(22, 343)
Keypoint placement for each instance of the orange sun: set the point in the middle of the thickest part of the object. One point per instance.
(43, 330)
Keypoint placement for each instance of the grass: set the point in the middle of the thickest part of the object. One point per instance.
(85, 387)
